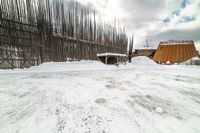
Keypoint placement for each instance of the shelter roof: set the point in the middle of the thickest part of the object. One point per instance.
(177, 42)
(111, 54)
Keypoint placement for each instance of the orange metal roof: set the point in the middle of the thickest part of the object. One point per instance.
(175, 51)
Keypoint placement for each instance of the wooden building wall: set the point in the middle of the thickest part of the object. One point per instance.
(143, 52)
(175, 51)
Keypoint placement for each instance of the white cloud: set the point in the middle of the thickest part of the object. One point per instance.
(145, 16)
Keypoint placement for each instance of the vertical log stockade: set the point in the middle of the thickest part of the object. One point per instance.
(37, 31)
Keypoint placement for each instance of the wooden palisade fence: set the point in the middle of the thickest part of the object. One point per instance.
(36, 31)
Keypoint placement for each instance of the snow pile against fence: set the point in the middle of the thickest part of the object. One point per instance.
(142, 60)
(88, 96)
(72, 66)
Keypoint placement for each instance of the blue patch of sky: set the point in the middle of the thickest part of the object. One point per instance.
(184, 3)
(184, 19)
(166, 20)
(187, 19)
(176, 12)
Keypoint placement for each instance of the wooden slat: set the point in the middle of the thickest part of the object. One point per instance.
(175, 52)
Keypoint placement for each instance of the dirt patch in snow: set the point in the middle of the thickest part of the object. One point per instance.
(155, 104)
(187, 79)
(100, 100)
(194, 95)
(73, 118)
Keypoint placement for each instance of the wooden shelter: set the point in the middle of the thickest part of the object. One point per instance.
(112, 58)
(170, 52)
(144, 52)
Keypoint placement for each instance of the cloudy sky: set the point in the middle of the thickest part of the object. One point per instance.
(159, 19)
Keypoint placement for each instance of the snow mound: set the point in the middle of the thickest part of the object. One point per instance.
(193, 61)
(53, 98)
(72, 66)
(142, 60)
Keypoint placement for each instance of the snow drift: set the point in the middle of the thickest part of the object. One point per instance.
(193, 61)
(143, 60)
(88, 96)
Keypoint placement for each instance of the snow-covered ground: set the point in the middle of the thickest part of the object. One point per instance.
(88, 96)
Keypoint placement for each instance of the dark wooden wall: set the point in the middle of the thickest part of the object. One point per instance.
(34, 31)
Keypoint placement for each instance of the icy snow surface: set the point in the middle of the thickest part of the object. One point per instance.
(88, 96)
